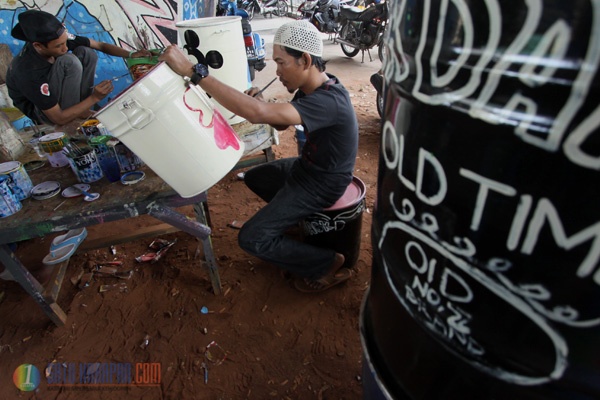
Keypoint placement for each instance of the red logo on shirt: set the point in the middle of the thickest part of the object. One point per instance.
(45, 89)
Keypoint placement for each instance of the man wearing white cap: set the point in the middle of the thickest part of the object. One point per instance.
(51, 80)
(293, 188)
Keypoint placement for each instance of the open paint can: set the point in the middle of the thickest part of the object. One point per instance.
(85, 165)
(52, 144)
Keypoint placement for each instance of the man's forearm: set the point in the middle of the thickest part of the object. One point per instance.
(79, 110)
(113, 50)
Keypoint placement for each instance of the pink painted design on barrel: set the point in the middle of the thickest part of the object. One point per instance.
(224, 134)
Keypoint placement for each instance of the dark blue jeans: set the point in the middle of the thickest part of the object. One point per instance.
(264, 235)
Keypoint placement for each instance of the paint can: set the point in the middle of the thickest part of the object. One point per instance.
(175, 130)
(92, 128)
(86, 166)
(9, 203)
(18, 179)
(219, 43)
(339, 227)
(485, 281)
(103, 146)
(127, 159)
(52, 144)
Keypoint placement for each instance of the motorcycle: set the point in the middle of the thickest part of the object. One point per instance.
(255, 49)
(229, 7)
(253, 42)
(363, 29)
(324, 14)
(273, 7)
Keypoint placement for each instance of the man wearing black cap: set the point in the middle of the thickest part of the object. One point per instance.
(51, 79)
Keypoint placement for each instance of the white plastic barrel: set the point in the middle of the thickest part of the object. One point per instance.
(175, 130)
(223, 35)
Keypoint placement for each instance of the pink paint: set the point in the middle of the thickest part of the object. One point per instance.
(224, 134)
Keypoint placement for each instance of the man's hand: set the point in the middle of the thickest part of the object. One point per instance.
(102, 89)
(141, 53)
(254, 92)
(177, 60)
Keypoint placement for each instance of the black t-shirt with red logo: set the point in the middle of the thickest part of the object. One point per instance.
(331, 129)
(27, 79)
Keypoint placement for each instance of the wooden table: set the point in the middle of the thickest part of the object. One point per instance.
(117, 201)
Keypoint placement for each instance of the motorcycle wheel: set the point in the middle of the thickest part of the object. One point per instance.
(282, 8)
(381, 51)
(379, 101)
(348, 32)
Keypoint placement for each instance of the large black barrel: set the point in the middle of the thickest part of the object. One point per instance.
(486, 232)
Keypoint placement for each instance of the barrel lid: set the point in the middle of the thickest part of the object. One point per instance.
(355, 192)
(9, 166)
(52, 136)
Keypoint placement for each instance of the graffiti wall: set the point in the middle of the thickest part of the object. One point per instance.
(130, 24)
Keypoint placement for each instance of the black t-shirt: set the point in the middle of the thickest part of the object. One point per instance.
(331, 130)
(27, 78)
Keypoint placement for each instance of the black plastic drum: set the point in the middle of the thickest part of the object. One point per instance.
(339, 226)
(486, 231)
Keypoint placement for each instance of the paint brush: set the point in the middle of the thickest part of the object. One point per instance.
(265, 88)
(116, 78)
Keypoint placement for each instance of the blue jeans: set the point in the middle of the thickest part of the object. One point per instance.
(288, 203)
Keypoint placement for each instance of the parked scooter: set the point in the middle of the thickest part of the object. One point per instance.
(362, 30)
(254, 43)
(273, 7)
(255, 49)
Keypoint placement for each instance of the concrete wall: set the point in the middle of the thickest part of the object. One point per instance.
(131, 24)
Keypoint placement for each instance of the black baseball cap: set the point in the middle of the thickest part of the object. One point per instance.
(37, 26)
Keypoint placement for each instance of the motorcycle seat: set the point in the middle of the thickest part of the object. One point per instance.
(365, 14)
(351, 12)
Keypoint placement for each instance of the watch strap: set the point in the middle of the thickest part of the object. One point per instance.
(196, 78)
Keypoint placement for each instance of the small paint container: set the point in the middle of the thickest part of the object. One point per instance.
(86, 166)
(52, 144)
(18, 179)
(9, 204)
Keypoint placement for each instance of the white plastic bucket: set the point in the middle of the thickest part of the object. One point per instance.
(175, 130)
(222, 35)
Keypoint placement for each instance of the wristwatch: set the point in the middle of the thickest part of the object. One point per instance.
(200, 72)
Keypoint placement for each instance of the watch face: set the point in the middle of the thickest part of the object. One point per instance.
(201, 70)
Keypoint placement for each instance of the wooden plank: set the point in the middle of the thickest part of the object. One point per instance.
(50, 293)
(107, 241)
